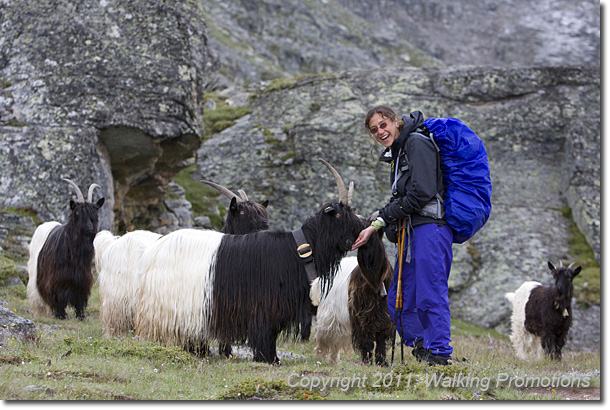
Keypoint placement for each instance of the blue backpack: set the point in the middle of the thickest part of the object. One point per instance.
(466, 176)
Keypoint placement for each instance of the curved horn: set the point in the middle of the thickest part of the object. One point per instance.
(243, 195)
(223, 190)
(90, 193)
(560, 263)
(79, 194)
(571, 264)
(339, 181)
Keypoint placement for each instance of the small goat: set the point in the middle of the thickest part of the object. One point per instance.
(355, 313)
(61, 257)
(542, 315)
(368, 309)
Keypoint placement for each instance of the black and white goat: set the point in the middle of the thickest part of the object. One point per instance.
(61, 258)
(542, 315)
(117, 259)
(354, 313)
(203, 285)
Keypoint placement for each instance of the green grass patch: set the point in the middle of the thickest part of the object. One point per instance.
(587, 286)
(203, 198)
(223, 116)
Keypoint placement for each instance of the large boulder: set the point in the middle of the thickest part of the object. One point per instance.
(98, 91)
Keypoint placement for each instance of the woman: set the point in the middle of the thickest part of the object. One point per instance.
(417, 190)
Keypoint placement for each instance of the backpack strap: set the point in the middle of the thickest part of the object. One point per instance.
(435, 208)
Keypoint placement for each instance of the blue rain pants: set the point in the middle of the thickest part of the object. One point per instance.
(425, 314)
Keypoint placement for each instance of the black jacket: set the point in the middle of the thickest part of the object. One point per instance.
(417, 178)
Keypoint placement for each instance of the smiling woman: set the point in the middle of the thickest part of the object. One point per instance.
(418, 300)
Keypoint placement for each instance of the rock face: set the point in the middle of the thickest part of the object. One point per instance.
(110, 95)
(540, 127)
(258, 40)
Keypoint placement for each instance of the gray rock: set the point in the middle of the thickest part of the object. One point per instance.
(11, 324)
(112, 95)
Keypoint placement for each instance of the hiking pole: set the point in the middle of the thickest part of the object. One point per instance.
(398, 306)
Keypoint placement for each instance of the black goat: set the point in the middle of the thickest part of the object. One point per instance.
(61, 257)
(243, 215)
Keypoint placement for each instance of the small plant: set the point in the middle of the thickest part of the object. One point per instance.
(222, 116)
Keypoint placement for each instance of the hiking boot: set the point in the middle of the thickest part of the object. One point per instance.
(419, 352)
(438, 360)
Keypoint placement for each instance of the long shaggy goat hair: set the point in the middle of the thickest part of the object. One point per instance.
(117, 261)
(61, 257)
(368, 310)
(355, 313)
(333, 327)
(542, 315)
(202, 285)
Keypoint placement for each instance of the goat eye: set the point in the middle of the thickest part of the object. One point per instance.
(242, 213)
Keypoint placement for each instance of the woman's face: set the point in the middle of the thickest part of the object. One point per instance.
(383, 129)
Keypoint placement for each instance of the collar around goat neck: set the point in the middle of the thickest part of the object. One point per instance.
(305, 253)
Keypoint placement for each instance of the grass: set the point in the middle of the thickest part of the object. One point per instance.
(223, 116)
(72, 360)
(203, 198)
(587, 285)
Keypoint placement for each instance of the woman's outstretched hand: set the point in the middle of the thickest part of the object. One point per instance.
(364, 236)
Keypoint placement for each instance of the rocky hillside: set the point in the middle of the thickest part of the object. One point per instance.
(256, 40)
(540, 127)
(112, 92)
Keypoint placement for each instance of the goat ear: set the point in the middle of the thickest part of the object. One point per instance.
(100, 202)
(72, 205)
(551, 267)
(264, 204)
(576, 272)
(233, 206)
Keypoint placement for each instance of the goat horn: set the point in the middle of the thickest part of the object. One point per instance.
(90, 193)
(77, 190)
(343, 196)
(223, 190)
(350, 194)
(243, 195)
(571, 264)
(560, 263)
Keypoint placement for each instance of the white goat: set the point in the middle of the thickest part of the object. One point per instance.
(117, 259)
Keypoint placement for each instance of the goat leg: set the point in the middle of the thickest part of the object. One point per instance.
(225, 349)
(380, 351)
